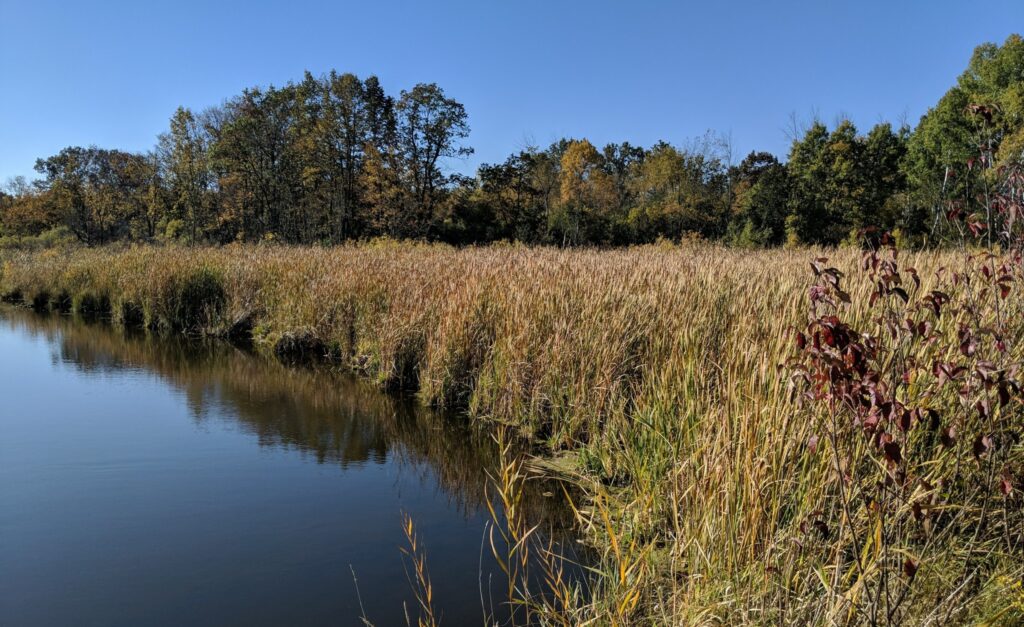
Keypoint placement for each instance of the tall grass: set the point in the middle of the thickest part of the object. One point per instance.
(653, 373)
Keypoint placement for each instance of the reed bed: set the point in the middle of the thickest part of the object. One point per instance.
(652, 374)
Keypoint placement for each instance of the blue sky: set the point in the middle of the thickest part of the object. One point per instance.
(112, 73)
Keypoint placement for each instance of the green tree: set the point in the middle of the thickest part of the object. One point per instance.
(759, 201)
(343, 116)
(430, 128)
(977, 126)
(885, 181)
(807, 214)
(843, 183)
(182, 153)
(510, 199)
(254, 151)
(679, 192)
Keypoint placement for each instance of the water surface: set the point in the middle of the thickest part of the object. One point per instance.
(157, 480)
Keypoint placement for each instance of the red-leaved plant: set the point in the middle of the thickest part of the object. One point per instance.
(917, 403)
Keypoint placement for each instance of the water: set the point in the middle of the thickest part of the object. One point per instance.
(148, 480)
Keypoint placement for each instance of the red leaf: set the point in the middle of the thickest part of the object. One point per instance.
(1004, 394)
(892, 452)
(910, 568)
(982, 444)
(968, 347)
(1005, 485)
(948, 436)
(913, 275)
(904, 420)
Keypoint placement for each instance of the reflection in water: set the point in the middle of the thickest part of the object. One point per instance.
(338, 421)
(337, 418)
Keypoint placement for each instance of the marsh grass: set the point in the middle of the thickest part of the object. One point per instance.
(655, 371)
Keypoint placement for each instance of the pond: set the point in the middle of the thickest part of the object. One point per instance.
(148, 479)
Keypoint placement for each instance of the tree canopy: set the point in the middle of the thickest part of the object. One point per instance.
(334, 158)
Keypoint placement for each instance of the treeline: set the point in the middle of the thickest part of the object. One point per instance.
(334, 158)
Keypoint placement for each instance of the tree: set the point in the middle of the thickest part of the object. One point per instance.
(843, 183)
(334, 158)
(255, 152)
(679, 192)
(387, 198)
(342, 116)
(96, 193)
(759, 201)
(587, 193)
(430, 127)
(809, 220)
(157, 200)
(843, 193)
(514, 202)
(976, 127)
(621, 162)
(25, 209)
(885, 180)
(183, 157)
(545, 176)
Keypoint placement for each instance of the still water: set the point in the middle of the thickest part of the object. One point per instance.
(152, 480)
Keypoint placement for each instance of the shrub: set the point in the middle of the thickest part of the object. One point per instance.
(196, 301)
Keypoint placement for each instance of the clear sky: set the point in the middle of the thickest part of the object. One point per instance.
(111, 73)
